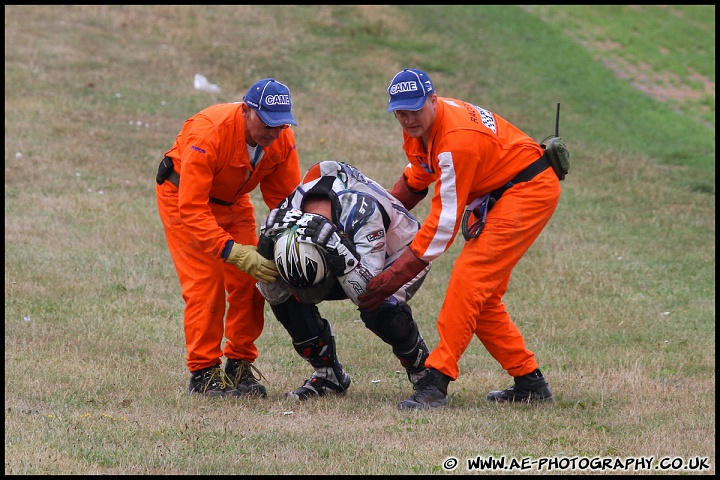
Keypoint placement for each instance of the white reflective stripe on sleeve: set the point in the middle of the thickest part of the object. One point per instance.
(448, 213)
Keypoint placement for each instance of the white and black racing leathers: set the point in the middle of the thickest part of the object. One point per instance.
(377, 224)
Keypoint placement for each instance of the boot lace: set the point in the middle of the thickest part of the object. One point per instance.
(217, 376)
(246, 372)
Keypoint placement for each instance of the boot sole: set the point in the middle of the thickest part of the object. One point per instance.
(499, 399)
(413, 405)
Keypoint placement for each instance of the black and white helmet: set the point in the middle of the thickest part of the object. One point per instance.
(300, 264)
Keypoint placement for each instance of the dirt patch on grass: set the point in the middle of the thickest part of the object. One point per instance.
(660, 85)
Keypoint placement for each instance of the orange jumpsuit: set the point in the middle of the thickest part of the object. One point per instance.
(211, 157)
(471, 152)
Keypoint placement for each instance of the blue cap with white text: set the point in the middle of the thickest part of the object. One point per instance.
(271, 101)
(409, 89)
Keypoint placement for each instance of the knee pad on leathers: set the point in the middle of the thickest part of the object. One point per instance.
(301, 320)
(396, 327)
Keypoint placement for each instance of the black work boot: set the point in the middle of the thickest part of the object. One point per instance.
(211, 382)
(244, 381)
(529, 388)
(329, 375)
(430, 392)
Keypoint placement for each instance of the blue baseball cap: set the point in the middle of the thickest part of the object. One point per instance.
(271, 101)
(409, 89)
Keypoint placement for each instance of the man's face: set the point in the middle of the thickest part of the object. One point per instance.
(259, 132)
(418, 123)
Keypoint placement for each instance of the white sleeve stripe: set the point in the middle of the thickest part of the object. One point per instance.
(448, 213)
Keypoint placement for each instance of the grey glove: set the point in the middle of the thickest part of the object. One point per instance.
(339, 251)
(280, 219)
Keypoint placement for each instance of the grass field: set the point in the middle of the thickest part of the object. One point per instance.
(616, 298)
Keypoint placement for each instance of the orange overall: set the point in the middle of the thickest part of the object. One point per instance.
(212, 206)
(471, 152)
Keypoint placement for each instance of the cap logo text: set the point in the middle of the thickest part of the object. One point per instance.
(277, 100)
(403, 87)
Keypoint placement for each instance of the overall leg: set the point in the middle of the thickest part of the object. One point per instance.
(245, 317)
(243, 325)
(483, 268)
(497, 331)
(505, 343)
(502, 338)
(203, 290)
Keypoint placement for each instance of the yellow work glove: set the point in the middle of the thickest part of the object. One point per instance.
(247, 259)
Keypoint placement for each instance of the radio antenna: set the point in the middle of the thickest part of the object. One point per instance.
(557, 121)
